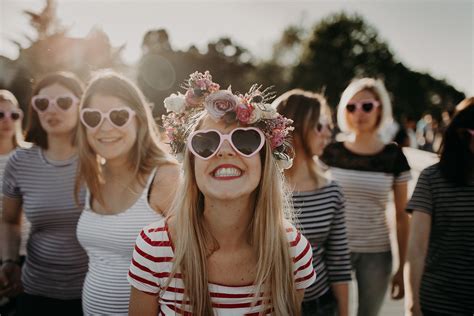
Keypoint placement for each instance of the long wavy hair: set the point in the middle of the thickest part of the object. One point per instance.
(456, 157)
(7, 96)
(146, 153)
(305, 109)
(267, 236)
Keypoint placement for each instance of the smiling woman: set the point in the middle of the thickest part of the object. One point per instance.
(228, 246)
(132, 188)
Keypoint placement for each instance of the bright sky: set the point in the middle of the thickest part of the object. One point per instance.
(436, 36)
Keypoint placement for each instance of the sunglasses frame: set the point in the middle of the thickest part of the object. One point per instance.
(53, 101)
(222, 138)
(106, 115)
(9, 114)
(358, 105)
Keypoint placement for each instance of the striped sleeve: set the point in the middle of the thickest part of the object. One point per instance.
(338, 259)
(10, 187)
(147, 254)
(302, 254)
(421, 199)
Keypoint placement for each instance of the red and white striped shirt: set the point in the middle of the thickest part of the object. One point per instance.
(152, 264)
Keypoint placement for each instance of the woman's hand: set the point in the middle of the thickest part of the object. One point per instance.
(398, 288)
(10, 280)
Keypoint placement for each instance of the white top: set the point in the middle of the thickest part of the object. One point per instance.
(108, 241)
(25, 225)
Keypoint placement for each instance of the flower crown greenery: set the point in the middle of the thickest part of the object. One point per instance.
(250, 109)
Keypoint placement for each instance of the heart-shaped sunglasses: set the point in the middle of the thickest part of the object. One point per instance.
(14, 115)
(366, 105)
(119, 117)
(247, 141)
(43, 103)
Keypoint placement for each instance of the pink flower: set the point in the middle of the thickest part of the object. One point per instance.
(191, 99)
(277, 138)
(219, 103)
(244, 112)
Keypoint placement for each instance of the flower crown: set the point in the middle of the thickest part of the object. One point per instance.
(250, 109)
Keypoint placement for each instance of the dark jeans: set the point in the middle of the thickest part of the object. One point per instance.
(325, 305)
(39, 305)
(373, 272)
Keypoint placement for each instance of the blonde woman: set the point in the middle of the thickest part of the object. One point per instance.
(40, 181)
(319, 203)
(368, 170)
(228, 248)
(130, 182)
(11, 137)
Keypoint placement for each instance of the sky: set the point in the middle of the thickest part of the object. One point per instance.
(435, 36)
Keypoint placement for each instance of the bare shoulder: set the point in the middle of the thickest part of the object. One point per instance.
(165, 183)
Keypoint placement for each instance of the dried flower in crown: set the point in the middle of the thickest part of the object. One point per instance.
(250, 109)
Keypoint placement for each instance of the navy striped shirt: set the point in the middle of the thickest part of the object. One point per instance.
(56, 264)
(447, 285)
(321, 219)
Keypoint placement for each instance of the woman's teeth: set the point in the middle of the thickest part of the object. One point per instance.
(227, 172)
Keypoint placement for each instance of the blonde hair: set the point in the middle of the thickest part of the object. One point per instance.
(7, 96)
(377, 87)
(267, 233)
(145, 154)
(305, 109)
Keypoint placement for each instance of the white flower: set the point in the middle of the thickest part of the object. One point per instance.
(284, 163)
(255, 116)
(268, 112)
(175, 103)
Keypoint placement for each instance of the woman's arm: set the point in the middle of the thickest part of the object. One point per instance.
(417, 247)
(10, 276)
(341, 292)
(142, 303)
(400, 198)
(165, 184)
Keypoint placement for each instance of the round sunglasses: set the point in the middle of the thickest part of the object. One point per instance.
(119, 117)
(247, 141)
(14, 115)
(43, 103)
(366, 105)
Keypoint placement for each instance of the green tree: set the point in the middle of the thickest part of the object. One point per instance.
(342, 47)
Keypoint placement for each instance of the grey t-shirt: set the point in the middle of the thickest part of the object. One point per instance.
(56, 264)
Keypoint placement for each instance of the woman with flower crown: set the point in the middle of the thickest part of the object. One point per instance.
(228, 247)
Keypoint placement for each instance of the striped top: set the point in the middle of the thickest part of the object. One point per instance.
(367, 181)
(109, 241)
(56, 264)
(447, 285)
(152, 265)
(25, 225)
(321, 219)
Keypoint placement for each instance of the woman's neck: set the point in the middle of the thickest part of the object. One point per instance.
(6, 146)
(298, 176)
(228, 221)
(365, 143)
(60, 147)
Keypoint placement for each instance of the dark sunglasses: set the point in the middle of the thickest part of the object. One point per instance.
(366, 105)
(119, 117)
(41, 103)
(206, 143)
(323, 123)
(14, 115)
